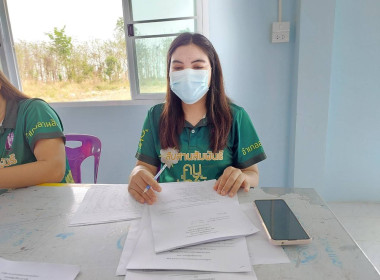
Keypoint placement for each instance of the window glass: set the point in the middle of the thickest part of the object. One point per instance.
(77, 50)
(71, 50)
(151, 52)
(159, 9)
(165, 27)
(151, 63)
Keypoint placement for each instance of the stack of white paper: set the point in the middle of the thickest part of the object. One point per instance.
(223, 256)
(193, 213)
(187, 214)
(208, 257)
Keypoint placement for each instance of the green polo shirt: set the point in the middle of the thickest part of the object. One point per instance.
(196, 162)
(25, 123)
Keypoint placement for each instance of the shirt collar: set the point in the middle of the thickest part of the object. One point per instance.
(11, 111)
(202, 122)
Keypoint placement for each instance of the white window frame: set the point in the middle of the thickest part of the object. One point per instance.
(7, 51)
(9, 61)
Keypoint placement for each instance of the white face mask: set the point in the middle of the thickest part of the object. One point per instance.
(189, 85)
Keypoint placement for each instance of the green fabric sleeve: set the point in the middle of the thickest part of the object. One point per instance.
(146, 151)
(248, 148)
(41, 122)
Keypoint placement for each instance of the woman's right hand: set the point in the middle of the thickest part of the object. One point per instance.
(141, 176)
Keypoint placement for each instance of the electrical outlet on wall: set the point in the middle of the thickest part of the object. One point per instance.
(280, 32)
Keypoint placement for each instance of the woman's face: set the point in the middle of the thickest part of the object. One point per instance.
(190, 56)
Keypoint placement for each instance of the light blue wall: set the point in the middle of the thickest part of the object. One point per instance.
(119, 129)
(258, 74)
(311, 92)
(353, 139)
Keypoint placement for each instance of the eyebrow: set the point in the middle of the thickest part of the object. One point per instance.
(177, 61)
(195, 61)
(198, 60)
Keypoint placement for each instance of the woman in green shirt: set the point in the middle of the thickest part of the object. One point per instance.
(208, 136)
(32, 148)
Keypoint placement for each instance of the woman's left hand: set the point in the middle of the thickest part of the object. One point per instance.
(233, 179)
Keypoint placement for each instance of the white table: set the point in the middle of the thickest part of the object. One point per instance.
(34, 227)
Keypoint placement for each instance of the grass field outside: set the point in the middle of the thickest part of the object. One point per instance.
(71, 91)
(86, 91)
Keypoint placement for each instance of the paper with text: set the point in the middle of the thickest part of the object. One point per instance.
(221, 256)
(37, 271)
(106, 204)
(190, 213)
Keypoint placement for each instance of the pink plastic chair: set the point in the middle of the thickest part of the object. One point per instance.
(91, 146)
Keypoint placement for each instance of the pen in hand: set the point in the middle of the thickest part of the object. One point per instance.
(156, 177)
(168, 157)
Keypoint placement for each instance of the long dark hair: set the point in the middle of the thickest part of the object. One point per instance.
(217, 103)
(9, 91)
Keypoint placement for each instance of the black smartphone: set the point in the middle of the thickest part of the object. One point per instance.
(280, 223)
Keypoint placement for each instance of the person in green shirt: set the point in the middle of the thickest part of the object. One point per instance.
(32, 143)
(198, 129)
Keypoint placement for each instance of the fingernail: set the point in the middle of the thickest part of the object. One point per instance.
(223, 192)
(231, 194)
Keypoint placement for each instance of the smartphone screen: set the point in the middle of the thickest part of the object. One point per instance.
(280, 221)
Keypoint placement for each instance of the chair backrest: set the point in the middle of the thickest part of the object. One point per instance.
(90, 146)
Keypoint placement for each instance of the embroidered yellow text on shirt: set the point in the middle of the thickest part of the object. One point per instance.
(142, 137)
(11, 160)
(251, 148)
(30, 133)
(196, 156)
(194, 176)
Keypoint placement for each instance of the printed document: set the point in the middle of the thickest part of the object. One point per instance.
(106, 204)
(190, 213)
(222, 256)
(36, 271)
